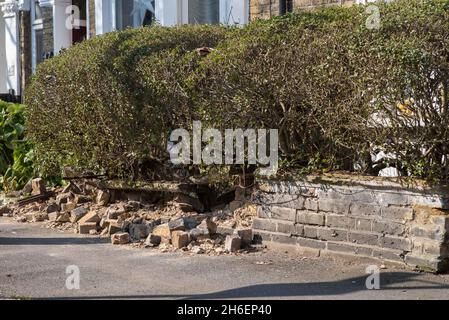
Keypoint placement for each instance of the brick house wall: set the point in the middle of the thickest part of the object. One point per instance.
(91, 9)
(265, 9)
(25, 48)
(3, 67)
(47, 18)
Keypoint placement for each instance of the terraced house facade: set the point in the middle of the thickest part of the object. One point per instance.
(34, 30)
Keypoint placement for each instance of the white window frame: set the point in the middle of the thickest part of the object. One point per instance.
(226, 12)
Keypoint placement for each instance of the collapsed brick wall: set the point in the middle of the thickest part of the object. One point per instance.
(375, 220)
(265, 9)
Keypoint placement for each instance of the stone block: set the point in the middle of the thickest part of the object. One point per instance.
(233, 243)
(120, 238)
(103, 197)
(91, 216)
(246, 235)
(265, 224)
(67, 207)
(334, 206)
(85, 228)
(77, 214)
(311, 243)
(349, 248)
(286, 227)
(138, 231)
(279, 200)
(310, 217)
(162, 231)
(363, 224)
(153, 240)
(365, 238)
(179, 239)
(339, 221)
(397, 213)
(398, 243)
(278, 213)
(363, 209)
(38, 187)
(389, 227)
(332, 234)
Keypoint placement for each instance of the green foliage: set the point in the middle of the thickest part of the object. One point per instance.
(107, 104)
(16, 153)
(338, 92)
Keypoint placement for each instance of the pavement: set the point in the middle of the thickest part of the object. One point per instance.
(34, 262)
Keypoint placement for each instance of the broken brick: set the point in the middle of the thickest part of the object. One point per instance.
(120, 238)
(233, 243)
(138, 231)
(52, 208)
(91, 216)
(153, 240)
(103, 197)
(78, 213)
(38, 187)
(208, 225)
(179, 239)
(163, 231)
(246, 235)
(85, 228)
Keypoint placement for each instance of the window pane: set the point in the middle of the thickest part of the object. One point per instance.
(145, 12)
(204, 12)
(134, 13)
(37, 11)
(124, 11)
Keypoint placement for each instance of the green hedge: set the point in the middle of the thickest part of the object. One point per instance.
(108, 103)
(339, 92)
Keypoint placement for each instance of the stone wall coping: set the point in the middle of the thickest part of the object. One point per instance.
(362, 182)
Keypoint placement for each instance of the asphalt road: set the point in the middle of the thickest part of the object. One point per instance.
(34, 260)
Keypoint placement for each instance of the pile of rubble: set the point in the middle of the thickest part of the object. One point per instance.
(88, 209)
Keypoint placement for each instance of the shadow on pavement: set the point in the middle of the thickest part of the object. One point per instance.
(51, 241)
(389, 281)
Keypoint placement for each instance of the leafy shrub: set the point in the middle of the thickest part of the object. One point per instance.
(108, 103)
(289, 73)
(16, 153)
(340, 94)
(335, 88)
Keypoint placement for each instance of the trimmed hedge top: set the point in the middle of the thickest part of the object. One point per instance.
(343, 96)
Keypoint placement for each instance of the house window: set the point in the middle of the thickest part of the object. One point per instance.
(37, 34)
(285, 6)
(133, 13)
(204, 12)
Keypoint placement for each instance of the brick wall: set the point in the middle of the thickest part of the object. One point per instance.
(25, 48)
(47, 17)
(374, 219)
(264, 9)
(91, 30)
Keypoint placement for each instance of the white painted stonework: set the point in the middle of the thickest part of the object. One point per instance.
(10, 11)
(2, 55)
